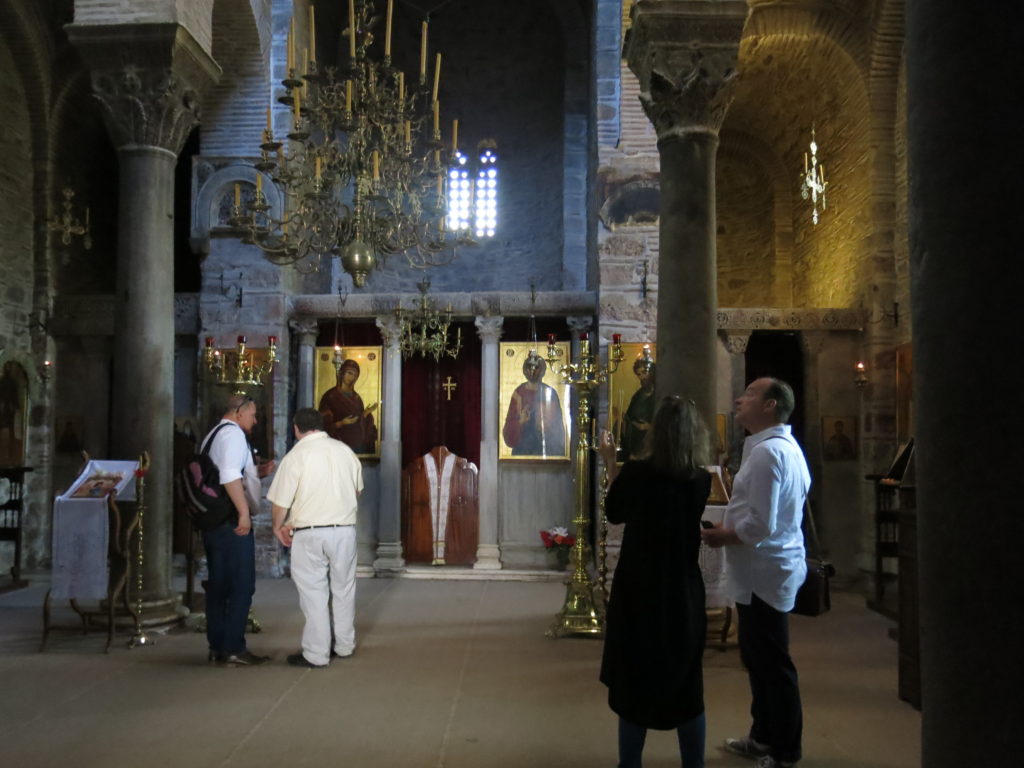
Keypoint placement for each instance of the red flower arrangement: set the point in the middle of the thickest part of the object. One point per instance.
(557, 536)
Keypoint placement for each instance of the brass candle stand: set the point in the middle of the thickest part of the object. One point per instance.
(582, 612)
(238, 367)
(139, 637)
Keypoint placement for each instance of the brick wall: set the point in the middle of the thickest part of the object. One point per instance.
(194, 15)
(16, 212)
(901, 244)
(234, 109)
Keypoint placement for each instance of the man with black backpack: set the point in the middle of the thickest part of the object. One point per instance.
(230, 545)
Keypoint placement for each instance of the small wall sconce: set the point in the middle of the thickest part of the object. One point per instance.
(45, 370)
(860, 375)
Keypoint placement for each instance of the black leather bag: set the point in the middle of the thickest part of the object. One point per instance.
(813, 598)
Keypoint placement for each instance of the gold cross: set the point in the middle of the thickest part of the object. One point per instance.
(448, 386)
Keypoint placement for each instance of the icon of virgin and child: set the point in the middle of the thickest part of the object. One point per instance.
(345, 416)
(533, 422)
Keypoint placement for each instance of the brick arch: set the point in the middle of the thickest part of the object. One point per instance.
(749, 148)
(797, 22)
(233, 110)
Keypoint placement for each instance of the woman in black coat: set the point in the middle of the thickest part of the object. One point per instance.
(654, 641)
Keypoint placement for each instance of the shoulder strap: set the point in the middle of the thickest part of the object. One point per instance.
(813, 529)
(209, 441)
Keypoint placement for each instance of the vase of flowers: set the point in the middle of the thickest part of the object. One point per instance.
(558, 540)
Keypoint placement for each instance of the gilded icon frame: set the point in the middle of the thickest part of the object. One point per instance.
(554, 447)
(622, 386)
(368, 387)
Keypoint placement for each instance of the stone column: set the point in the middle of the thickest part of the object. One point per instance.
(305, 334)
(389, 515)
(736, 344)
(488, 555)
(148, 79)
(963, 221)
(684, 54)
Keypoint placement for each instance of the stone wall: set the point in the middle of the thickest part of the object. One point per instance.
(194, 15)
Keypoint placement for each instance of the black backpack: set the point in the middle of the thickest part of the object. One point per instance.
(206, 502)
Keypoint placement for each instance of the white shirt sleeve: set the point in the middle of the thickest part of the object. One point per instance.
(763, 485)
(230, 452)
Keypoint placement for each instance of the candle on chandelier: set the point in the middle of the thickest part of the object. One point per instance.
(348, 95)
(272, 340)
(351, 29)
(551, 339)
(209, 342)
(401, 90)
(437, 115)
(437, 73)
(259, 184)
(455, 136)
(805, 163)
(318, 165)
(584, 336)
(312, 32)
(423, 52)
(408, 132)
(616, 338)
(238, 195)
(298, 106)
(241, 339)
(376, 165)
(387, 29)
(270, 127)
(290, 47)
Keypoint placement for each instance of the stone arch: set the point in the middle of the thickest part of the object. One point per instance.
(216, 187)
(234, 109)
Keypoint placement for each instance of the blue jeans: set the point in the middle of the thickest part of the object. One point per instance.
(691, 743)
(231, 561)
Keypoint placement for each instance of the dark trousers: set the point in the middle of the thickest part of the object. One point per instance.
(231, 562)
(775, 691)
(691, 743)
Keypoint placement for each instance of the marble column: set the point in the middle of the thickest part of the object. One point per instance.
(148, 79)
(964, 227)
(389, 515)
(684, 55)
(305, 334)
(488, 554)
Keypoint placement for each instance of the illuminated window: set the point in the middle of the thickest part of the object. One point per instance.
(473, 194)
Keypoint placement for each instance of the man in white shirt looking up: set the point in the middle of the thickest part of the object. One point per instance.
(765, 563)
(315, 494)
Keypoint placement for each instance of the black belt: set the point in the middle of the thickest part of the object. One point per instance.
(308, 527)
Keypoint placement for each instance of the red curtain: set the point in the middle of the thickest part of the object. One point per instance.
(429, 417)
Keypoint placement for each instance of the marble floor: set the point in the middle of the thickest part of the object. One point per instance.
(447, 674)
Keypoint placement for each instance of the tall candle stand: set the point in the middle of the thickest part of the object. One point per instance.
(140, 637)
(579, 615)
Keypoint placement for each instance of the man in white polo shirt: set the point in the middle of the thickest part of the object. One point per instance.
(764, 552)
(315, 494)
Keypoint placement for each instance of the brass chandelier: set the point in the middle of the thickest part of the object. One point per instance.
(362, 172)
(423, 330)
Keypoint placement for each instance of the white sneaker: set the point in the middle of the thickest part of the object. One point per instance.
(747, 747)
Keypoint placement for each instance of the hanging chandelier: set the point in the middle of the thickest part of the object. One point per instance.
(423, 331)
(362, 172)
(812, 181)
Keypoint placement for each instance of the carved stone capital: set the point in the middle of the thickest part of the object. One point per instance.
(149, 78)
(736, 343)
(489, 328)
(306, 330)
(684, 53)
(389, 329)
(580, 323)
(813, 342)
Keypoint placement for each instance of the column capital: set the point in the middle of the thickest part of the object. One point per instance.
(684, 54)
(736, 343)
(579, 323)
(389, 329)
(149, 78)
(813, 342)
(306, 330)
(489, 328)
